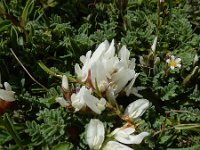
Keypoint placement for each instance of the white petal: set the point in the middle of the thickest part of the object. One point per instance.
(137, 108)
(177, 60)
(98, 74)
(130, 85)
(62, 101)
(111, 51)
(99, 51)
(121, 78)
(95, 134)
(132, 139)
(113, 145)
(65, 84)
(86, 58)
(78, 70)
(77, 99)
(111, 97)
(172, 67)
(178, 65)
(124, 53)
(7, 95)
(132, 63)
(110, 65)
(94, 103)
(129, 130)
(172, 57)
(168, 61)
(134, 91)
(83, 59)
(7, 86)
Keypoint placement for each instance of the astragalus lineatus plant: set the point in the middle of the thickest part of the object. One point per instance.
(102, 78)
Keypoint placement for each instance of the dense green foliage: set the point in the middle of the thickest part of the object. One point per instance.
(56, 33)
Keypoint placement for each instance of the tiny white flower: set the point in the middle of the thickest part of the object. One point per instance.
(173, 62)
(136, 108)
(113, 145)
(7, 94)
(125, 135)
(95, 134)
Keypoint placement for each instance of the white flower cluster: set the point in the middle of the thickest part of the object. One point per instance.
(124, 135)
(107, 71)
(103, 75)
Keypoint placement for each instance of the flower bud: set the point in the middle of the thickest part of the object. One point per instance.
(65, 84)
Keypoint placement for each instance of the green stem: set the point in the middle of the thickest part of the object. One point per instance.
(54, 73)
(10, 128)
(27, 70)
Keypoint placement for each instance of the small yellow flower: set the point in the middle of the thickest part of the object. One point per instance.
(173, 62)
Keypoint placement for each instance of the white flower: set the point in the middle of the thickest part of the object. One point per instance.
(113, 145)
(173, 62)
(84, 98)
(89, 60)
(95, 134)
(7, 94)
(62, 102)
(125, 135)
(77, 99)
(136, 108)
(107, 71)
(65, 84)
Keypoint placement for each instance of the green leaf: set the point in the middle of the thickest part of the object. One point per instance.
(4, 25)
(14, 37)
(187, 126)
(63, 146)
(10, 128)
(196, 147)
(27, 10)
